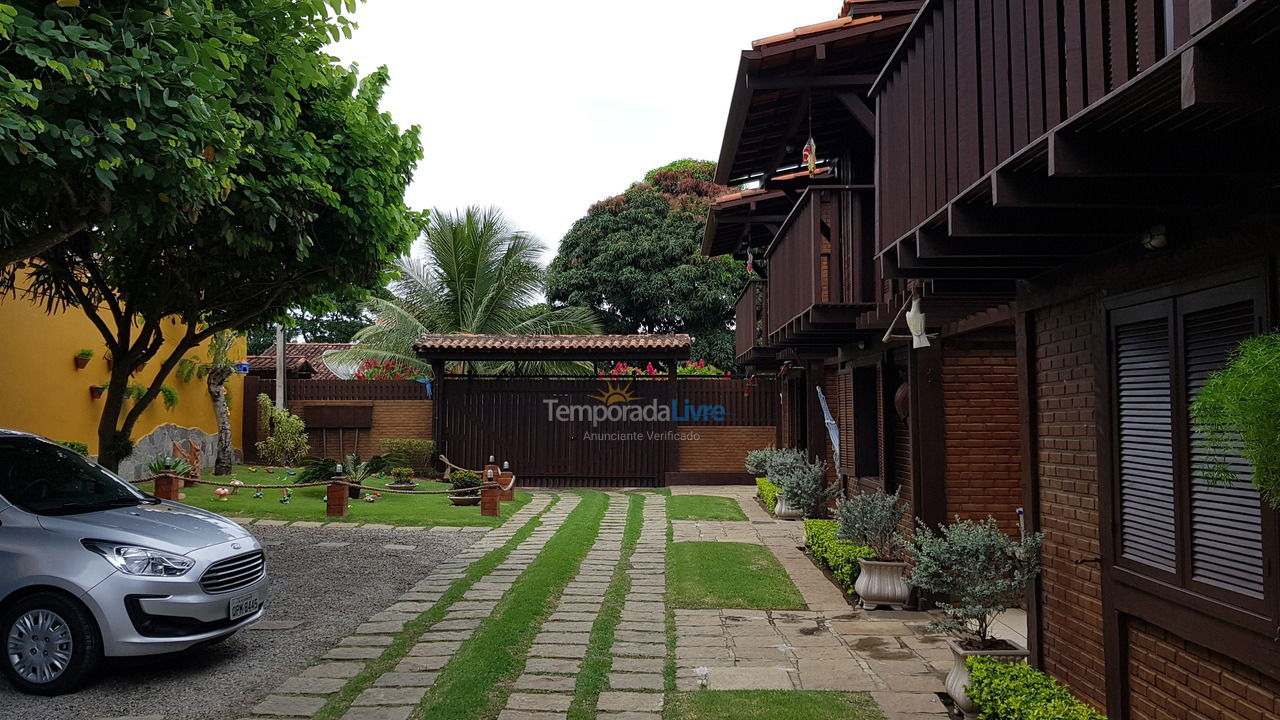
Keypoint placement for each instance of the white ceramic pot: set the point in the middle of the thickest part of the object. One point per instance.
(958, 678)
(882, 583)
(784, 510)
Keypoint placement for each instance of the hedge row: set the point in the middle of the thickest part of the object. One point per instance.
(837, 555)
(768, 493)
(1017, 691)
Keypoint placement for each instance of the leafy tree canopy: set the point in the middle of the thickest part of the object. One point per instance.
(635, 260)
(326, 321)
(317, 211)
(133, 117)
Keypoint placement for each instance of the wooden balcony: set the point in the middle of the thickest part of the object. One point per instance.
(750, 338)
(821, 268)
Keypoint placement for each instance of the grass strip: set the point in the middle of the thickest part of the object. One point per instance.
(669, 668)
(709, 575)
(405, 639)
(476, 682)
(704, 507)
(599, 660)
(771, 705)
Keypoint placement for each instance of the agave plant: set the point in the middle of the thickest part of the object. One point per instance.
(473, 273)
(172, 465)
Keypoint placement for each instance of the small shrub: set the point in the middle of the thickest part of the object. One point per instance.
(767, 492)
(758, 460)
(805, 487)
(834, 553)
(1016, 691)
(978, 568)
(287, 441)
(165, 464)
(418, 454)
(402, 475)
(85, 354)
(873, 520)
(784, 462)
(465, 483)
(75, 446)
(317, 470)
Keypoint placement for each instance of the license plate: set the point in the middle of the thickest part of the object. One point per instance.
(244, 605)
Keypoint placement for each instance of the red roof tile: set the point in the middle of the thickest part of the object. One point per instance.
(313, 352)
(816, 29)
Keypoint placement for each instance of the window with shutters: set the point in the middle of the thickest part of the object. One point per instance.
(1172, 524)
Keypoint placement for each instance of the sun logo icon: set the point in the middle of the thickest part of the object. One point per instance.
(613, 394)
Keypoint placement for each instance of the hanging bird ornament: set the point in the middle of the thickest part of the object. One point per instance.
(810, 156)
(915, 323)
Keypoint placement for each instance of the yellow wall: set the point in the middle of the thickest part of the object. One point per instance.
(42, 392)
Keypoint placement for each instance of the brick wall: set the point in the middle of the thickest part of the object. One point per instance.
(1067, 459)
(981, 433)
(721, 448)
(1171, 679)
(391, 419)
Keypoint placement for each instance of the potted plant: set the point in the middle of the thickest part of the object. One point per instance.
(82, 358)
(465, 487)
(95, 391)
(357, 473)
(779, 466)
(982, 572)
(874, 520)
(804, 491)
(402, 478)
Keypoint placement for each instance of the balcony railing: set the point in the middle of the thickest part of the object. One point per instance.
(750, 314)
(821, 266)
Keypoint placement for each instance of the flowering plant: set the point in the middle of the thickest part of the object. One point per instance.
(387, 370)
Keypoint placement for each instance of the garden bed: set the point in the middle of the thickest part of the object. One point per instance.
(307, 503)
(838, 559)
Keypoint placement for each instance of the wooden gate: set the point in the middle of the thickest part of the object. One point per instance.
(539, 425)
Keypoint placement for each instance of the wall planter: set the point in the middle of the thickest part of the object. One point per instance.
(82, 362)
(882, 583)
(958, 679)
(95, 392)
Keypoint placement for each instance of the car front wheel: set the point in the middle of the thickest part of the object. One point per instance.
(51, 644)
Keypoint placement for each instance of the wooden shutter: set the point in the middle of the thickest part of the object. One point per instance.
(1226, 521)
(1144, 394)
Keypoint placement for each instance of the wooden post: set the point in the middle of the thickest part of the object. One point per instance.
(437, 407)
(167, 485)
(489, 506)
(337, 499)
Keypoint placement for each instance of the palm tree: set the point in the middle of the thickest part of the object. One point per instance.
(215, 372)
(475, 274)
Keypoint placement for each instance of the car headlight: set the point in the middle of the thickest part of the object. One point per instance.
(135, 560)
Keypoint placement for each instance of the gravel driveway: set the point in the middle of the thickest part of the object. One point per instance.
(327, 598)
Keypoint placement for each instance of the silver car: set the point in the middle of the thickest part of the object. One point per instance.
(92, 567)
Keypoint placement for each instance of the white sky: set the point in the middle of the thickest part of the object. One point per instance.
(543, 108)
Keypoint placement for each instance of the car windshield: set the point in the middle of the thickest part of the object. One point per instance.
(41, 477)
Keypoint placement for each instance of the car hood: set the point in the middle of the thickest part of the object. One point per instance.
(168, 526)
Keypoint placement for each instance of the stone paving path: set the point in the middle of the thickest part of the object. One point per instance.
(394, 694)
(546, 688)
(830, 646)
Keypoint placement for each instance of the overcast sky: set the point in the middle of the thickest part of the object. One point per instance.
(543, 108)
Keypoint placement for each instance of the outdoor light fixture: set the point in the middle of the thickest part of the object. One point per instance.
(1155, 238)
(506, 466)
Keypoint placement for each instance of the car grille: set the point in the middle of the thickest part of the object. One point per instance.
(234, 573)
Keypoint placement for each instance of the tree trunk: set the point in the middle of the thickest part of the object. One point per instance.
(113, 445)
(218, 391)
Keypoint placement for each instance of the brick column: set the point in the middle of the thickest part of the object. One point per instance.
(337, 498)
(489, 502)
(505, 479)
(167, 485)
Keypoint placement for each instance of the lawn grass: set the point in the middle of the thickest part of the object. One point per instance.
(308, 503)
(599, 660)
(771, 705)
(704, 575)
(476, 682)
(337, 705)
(704, 507)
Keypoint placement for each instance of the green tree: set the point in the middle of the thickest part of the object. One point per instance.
(327, 321)
(635, 260)
(475, 274)
(327, 182)
(132, 117)
(215, 371)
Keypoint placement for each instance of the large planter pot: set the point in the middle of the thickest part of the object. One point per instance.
(882, 583)
(784, 510)
(353, 492)
(465, 500)
(958, 678)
